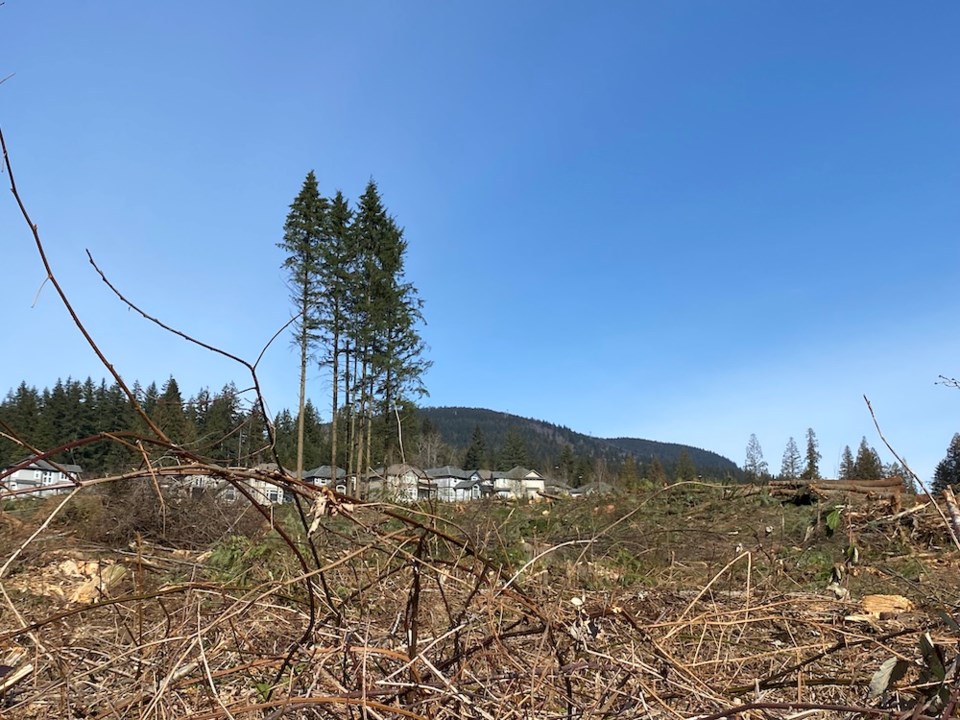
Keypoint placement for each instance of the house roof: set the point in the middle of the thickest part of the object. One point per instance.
(44, 465)
(324, 471)
(448, 471)
(403, 469)
(519, 473)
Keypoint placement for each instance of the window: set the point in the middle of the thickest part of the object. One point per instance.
(273, 496)
(47, 477)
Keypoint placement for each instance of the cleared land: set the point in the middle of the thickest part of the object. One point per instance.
(693, 601)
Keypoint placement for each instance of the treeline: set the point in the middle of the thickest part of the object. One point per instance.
(866, 465)
(221, 426)
(226, 427)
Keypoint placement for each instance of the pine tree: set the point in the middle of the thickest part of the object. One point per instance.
(170, 415)
(338, 255)
(629, 474)
(755, 467)
(867, 465)
(811, 470)
(846, 464)
(302, 235)
(385, 313)
(514, 452)
(477, 451)
(790, 466)
(657, 474)
(684, 469)
(566, 463)
(948, 469)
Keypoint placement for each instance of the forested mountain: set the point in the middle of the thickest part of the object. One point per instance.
(549, 447)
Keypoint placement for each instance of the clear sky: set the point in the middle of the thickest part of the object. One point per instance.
(683, 221)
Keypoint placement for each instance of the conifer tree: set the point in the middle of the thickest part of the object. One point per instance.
(514, 452)
(170, 415)
(477, 451)
(755, 467)
(948, 469)
(867, 465)
(846, 464)
(338, 252)
(684, 469)
(629, 474)
(302, 235)
(811, 470)
(385, 313)
(657, 476)
(790, 466)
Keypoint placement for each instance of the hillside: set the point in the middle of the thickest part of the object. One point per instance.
(545, 441)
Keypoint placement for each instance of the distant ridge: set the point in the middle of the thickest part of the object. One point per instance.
(545, 441)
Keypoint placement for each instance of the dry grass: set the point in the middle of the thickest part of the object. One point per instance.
(686, 603)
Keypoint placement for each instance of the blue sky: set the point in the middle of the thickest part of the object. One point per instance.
(683, 221)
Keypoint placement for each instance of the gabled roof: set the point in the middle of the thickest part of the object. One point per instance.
(403, 469)
(521, 473)
(45, 465)
(448, 471)
(324, 471)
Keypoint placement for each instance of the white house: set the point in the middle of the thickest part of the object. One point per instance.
(327, 476)
(404, 483)
(39, 478)
(447, 479)
(518, 483)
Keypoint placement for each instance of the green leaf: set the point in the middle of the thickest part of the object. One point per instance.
(890, 672)
(833, 521)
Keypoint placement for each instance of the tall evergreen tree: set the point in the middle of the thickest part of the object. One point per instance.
(948, 469)
(811, 470)
(385, 315)
(338, 256)
(755, 467)
(790, 466)
(477, 451)
(657, 475)
(684, 469)
(567, 463)
(170, 414)
(303, 233)
(867, 465)
(846, 464)
(629, 474)
(285, 432)
(514, 452)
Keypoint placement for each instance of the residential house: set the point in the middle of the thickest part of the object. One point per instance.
(327, 476)
(518, 483)
(39, 478)
(447, 479)
(404, 483)
(479, 484)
